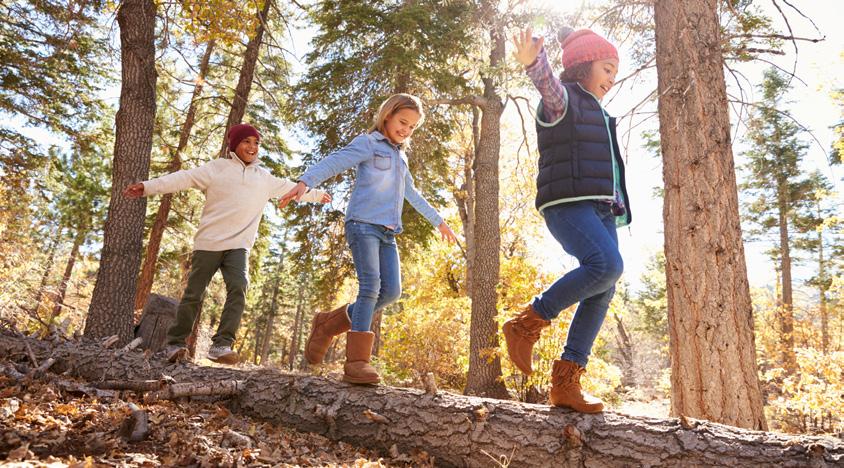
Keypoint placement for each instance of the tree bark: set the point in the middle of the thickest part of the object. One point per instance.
(484, 377)
(457, 430)
(157, 231)
(713, 357)
(112, 301)
(247, 73)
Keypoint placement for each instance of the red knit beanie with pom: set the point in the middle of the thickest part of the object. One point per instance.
(239, 132)
(583, 46)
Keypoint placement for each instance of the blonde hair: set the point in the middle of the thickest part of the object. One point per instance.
(393, 104)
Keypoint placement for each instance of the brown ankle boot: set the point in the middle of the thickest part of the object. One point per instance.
(325, 326)
(566, 391)
(520, 333)
(358, 350)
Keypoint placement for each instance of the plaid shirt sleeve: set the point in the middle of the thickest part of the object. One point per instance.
(553, 92)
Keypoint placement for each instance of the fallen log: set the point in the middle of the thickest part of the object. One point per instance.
(457, 430)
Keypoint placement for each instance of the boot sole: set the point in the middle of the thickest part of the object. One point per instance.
(584, 411)
(229, 359)
(353, 380)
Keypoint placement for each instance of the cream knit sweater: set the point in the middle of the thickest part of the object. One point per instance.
(235, 196)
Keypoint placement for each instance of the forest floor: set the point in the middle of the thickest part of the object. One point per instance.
(52, 422)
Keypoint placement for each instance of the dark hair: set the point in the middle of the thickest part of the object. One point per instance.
(576, 73)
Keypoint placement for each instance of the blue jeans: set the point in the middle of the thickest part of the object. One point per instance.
(376, 260)
(586, 230)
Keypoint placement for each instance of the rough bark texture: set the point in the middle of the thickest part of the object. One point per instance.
(247, 73)
(110, 312)
(459, 430)
(713, 358)
(157, 230)
(159, 313)
(484, 377)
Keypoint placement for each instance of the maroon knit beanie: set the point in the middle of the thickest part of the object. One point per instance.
(583, 46)
(238, 132)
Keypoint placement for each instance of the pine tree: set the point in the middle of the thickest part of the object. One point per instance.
(777, 188)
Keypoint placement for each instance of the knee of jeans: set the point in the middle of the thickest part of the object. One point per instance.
(369, 290)
(238, 285)
(391, 294)
(609, 269)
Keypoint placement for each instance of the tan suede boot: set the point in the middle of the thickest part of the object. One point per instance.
(358, 350)
(325, 326)
(520, 333)
(566, 391)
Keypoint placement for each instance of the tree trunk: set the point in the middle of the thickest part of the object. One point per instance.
(247, 73)
(786, 309)
(297, 326)
(713, 357)
(465, 197)
(376, 329)
(457, 430)
(822, 293)
(157, 230)
(268, 329)
(484, 378)
(81, 234)
(112, 301)
(54, 245)
(626, 352)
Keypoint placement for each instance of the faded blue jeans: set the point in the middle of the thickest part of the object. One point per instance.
(586, 230)
(376, 258)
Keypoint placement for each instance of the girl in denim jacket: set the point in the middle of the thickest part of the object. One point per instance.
(373, 218)
(582, 195)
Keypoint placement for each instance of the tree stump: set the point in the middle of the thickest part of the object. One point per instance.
(159, 313)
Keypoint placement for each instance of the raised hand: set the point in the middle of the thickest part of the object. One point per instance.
(527, 48)
(134, 190)
(294, 193)
(446, 233)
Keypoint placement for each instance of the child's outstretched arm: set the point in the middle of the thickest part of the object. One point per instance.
(282, 186)
(198, 177)
(356, 152)
(425, 209)
(531, 53)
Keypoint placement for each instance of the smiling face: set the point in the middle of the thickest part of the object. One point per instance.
(399, 126)
(601, 77)
(247, 150)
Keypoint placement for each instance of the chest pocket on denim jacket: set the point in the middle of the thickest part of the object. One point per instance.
(382, 161)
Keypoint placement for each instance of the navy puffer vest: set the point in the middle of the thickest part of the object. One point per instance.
(575, 155)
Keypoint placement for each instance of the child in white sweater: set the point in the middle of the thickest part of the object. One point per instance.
(236, 190)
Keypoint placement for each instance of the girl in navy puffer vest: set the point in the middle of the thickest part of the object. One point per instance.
(582, 195)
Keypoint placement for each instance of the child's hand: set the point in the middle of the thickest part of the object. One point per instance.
(294, 193)
(527, 48)
(326, 198)
(134, 190)
(446, 233)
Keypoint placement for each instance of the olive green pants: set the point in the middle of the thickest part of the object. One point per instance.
(204, 264)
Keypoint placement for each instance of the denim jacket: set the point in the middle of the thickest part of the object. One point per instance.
(382, 183)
